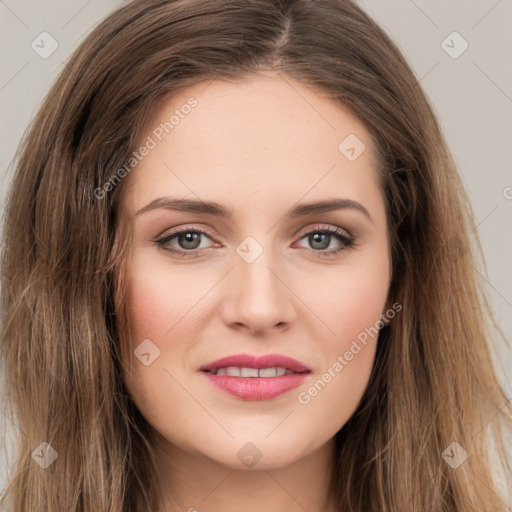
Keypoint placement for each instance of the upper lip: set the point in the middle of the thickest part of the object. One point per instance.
(252, 361)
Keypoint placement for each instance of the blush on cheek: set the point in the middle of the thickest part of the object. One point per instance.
(360, 330)
(164, 307)
(157, 299)
(355, 315)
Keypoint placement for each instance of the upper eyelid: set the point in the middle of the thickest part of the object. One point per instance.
(186, 229)
(323, 227)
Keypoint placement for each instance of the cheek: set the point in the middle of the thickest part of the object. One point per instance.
(348, 301)
(166, 305)
(351, 305)
(157, 304)
(159, 309)
(162, 298)
(358, 307)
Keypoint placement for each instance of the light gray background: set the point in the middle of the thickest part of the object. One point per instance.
(471, 94)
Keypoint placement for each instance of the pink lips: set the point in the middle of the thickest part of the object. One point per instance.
(256, 388)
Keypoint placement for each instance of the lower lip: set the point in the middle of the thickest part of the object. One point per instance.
(256, 388)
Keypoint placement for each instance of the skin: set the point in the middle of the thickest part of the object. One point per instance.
(259, 147)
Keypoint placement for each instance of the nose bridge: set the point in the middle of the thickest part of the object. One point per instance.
(253, 268)
(260, 297)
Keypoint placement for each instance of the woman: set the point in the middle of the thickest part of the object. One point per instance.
(261, 368)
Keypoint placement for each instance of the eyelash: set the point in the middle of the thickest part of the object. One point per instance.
(347, 242)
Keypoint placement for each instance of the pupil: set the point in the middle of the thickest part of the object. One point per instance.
(316, 237)
(190, 238)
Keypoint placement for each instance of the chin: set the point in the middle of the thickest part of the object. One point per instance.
(255, 453)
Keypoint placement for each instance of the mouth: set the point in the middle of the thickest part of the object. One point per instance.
(251, 377)
(235, 371)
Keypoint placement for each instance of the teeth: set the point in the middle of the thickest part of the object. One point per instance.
(267, 372)
(233, 371)
(248, 372)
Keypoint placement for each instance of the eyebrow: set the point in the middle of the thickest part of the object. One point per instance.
(216, 209)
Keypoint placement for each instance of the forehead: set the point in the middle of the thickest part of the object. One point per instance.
(266, 137)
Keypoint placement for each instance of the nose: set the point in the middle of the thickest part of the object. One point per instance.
(259, 298)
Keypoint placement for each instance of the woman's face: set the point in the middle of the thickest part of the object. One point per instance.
(259, 283)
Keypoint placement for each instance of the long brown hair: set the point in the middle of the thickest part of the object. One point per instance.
(433, 382)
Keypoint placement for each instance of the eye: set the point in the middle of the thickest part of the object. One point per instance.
(320, 238)
(188, 239)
